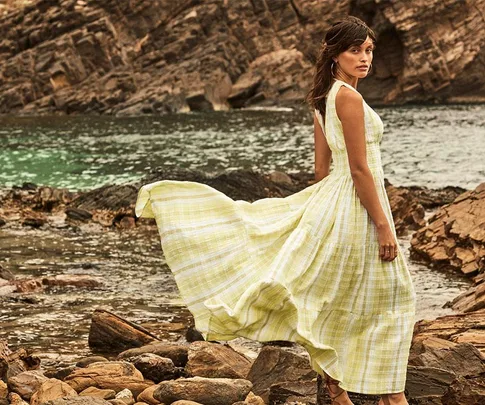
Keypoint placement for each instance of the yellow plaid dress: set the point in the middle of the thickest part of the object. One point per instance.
(303, 268)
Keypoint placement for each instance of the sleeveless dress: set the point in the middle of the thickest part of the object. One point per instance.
(303, 268)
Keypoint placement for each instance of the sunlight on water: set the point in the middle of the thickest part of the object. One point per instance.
(432, 146)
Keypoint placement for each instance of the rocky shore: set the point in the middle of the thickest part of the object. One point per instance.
(135, 364)
(157, 56)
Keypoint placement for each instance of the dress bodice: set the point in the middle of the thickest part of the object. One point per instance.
(374, 129)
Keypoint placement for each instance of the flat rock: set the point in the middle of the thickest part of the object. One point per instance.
(208, 391)
(176, 352)
(98, 393)
(108, 375)
(212, 360)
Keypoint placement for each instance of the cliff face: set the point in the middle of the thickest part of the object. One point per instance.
(155, 56)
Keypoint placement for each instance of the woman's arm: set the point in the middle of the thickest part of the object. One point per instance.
(323, 154)
(350, 110)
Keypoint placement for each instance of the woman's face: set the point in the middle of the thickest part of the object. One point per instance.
(350, 62)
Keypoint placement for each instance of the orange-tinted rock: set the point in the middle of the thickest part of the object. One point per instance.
(455, 234)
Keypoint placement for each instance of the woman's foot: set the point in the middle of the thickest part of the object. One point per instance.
(337, 395)
(393, 399)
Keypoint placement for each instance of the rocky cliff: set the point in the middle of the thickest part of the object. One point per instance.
(155, 56)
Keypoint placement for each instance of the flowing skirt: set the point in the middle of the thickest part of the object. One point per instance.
(303, 268)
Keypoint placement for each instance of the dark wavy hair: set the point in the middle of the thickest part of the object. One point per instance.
(341, 36)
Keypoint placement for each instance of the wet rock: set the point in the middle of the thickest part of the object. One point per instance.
(89, 360)
(79, 400)
(20, 286)
(26, 383)
(208, 391)
(126, 222)
(27, 285)
(6, 274)
(147, 396)
(276, 364)
(154, 367)
(108, 375)
(49, 198)
(125, 396)
(280, 178)
(74, 280)
(455, 234)
(193, 335)
(211, 360)
(176, 352)
(34, 222)
(13, 363)
(50, 390)
(78, 214)
(98, 393)
(431, 198)
(7, 288)
(111, 197)
(109, 332)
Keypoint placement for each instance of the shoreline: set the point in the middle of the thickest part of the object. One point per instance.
(110, 208)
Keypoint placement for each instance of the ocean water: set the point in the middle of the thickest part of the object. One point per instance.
(433, 146)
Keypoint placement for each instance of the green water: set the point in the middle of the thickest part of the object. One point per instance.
(432, 146)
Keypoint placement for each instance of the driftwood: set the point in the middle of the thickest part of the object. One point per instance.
(15, 362)
(110, 333)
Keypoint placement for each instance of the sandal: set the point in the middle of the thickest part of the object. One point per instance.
(330, 381)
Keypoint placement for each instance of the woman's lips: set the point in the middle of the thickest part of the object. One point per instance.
(362, 67)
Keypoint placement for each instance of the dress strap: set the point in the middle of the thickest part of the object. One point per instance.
(347, 85)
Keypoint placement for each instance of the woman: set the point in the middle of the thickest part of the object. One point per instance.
(320, 267)
(350, 134)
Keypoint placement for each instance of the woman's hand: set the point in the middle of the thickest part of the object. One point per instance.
(387, 244)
